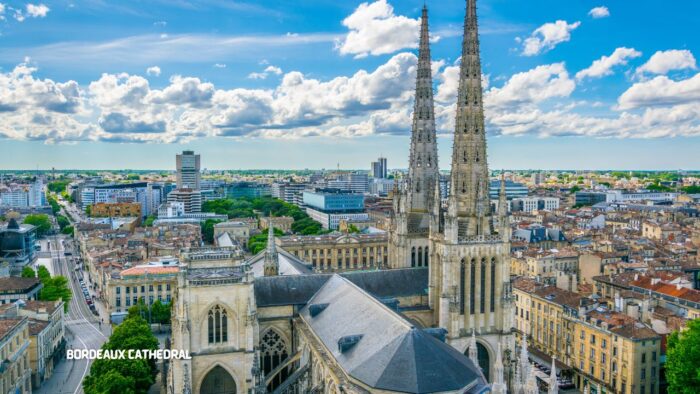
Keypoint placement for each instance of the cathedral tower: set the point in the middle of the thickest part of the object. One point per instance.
(408, 239)
(469, 246)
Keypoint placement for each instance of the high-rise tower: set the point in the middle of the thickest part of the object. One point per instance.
(188, 166)
(408, 238)
(469, 264)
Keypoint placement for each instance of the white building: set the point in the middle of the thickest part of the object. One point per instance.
(330, 221)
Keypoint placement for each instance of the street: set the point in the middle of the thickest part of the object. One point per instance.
(83, 328)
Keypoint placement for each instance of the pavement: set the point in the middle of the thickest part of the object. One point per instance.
(83, 329)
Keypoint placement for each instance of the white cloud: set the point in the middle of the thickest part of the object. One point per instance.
(160, 23)
(125, 108)
(661, 91)
(533, 86)
(273, 70)
(376, 30)
(2, 8)
(219, 65)
(604, 65)
(664, 61)
(265, 73)
(547, 36)
(37, 10)
(154, 70)
(599, 12)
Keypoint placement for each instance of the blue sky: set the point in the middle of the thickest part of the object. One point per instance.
(316, 84)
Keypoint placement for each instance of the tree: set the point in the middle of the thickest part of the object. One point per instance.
(28, 272)
(149, 221)
(58, 186)
(111, 382)
(692, 189)
(68, 230)
(55, 208)
(575, 189)
(208, 230)
(41, 221)
(683, 360)
(88, 210)
(55, 289)
(133, 333)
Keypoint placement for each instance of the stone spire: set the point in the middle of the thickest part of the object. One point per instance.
(498, 386)
(553, 385)
(470, 178)
(524, 360)
(531, 383)
(473, 351)
(423, 159)
(271, 259)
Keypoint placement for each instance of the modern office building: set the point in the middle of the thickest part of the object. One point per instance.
(248, 189)
(23, 195)
(288, 191)
(380, 186)
(379, 169)
(530, 204)
(17, 245)
(188, 170)
(356, 182)
(191, 199)
(513, 190)
(334, 200)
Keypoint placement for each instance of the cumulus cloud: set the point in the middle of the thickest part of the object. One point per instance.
(662, 62)
(533, 86)
(37, 10)
(376, 30)
(548, 36)
(125, 108)
(605, 64)
(599, 12)
(154, 70)
(661, 91)
(219, 65)
(265, 73)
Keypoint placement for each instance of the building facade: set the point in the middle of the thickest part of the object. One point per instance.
(15, 376)
(188, 170)
(339, 252)
(410, 221)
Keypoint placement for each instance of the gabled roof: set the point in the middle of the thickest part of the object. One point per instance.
(288, 264)
(298, 289)
(391, 354)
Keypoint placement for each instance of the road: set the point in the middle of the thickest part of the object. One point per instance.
(83, 330)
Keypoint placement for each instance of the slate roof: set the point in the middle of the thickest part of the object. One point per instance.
(298, 289)
(392, 354)
(289, 264)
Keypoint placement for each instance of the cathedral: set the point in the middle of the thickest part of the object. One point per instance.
(439, 320)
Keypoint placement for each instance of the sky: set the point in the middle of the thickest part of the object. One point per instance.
(296, 84)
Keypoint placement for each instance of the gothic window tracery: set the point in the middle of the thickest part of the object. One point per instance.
(462, 280)
(273, 352)
(482, 285)
(217, 329)
(493, 284)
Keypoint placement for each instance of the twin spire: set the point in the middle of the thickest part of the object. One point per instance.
(423, 161)
(469, 209)
(271, 264)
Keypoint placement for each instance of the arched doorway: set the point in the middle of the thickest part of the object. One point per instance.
(218, 381)
(484, 361)
(273, 351)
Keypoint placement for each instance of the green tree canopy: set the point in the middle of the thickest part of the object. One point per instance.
(57, 186)
(683, 360)
(28, 272)
(208, 230)
(41, 221)
(133, 333)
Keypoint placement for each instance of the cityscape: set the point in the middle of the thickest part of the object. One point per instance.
(380, 232)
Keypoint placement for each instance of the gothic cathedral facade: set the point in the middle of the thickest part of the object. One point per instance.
(465, 243)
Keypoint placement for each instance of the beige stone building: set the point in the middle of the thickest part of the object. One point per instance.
(338, 252)
(147, 282)
(15, 376)
(283, 223)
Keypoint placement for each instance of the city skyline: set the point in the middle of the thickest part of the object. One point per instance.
(325, 84)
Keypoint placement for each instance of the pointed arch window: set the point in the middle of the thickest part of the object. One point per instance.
(217, 321)
(482, 286)
(425, 258)
(420, 256)
(413, 256)
(464, 156)
(462, 280)
(493, 284)
(472, 286)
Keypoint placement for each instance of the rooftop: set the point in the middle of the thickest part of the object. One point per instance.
(17, 284)
(7, 325)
